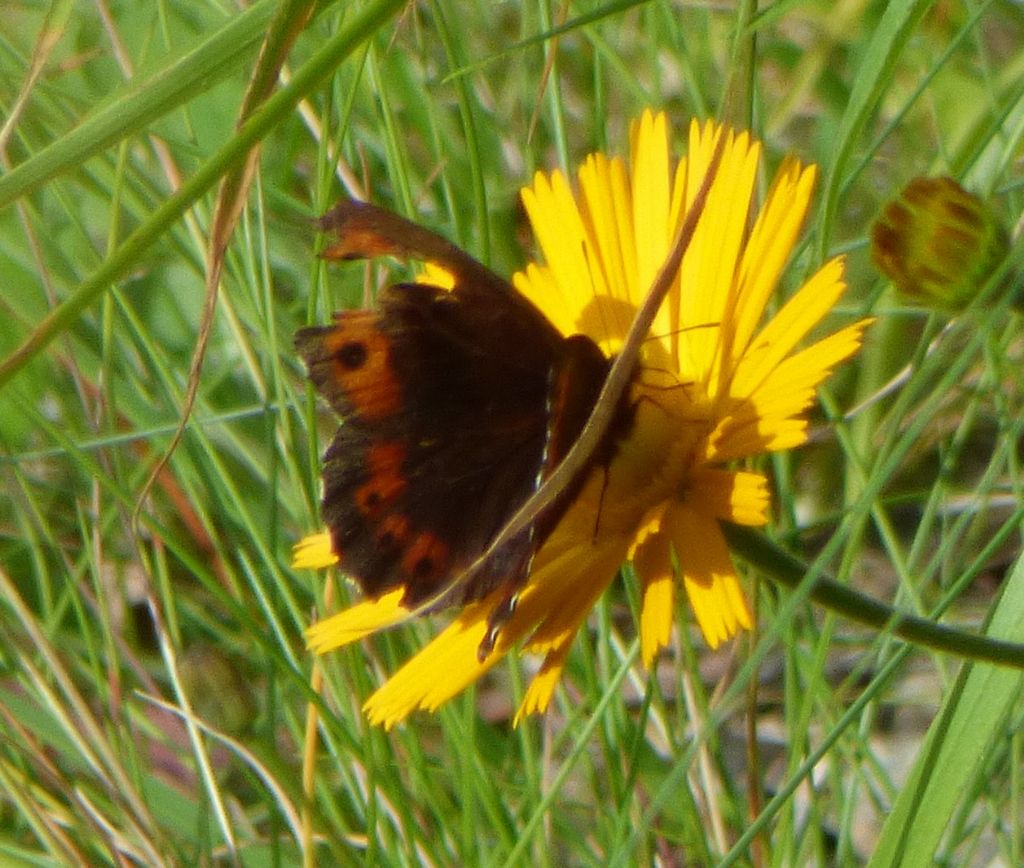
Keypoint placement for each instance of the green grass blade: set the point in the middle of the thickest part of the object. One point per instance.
(972, 719)
(144, 102)
(897, 25)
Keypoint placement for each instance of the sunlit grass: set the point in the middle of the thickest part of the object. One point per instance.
(154, 685)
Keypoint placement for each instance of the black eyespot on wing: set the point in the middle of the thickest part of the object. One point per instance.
(351, 354)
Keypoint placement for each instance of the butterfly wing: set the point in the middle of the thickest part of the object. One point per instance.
(443, 436)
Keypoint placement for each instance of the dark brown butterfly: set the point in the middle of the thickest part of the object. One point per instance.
(455, 406)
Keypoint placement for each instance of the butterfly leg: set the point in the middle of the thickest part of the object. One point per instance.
(499, 616)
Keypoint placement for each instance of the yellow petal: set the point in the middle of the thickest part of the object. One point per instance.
(542, 687)
(650, 177)
(563, 240)
(708, 575)
(804, 371)
(707, 294)
(653, 564)
(605, 201)
(788, 327)
(770, 418)
(738, 496)
(771, 243)
(435, 275)
(313, 552)
(356, 622)
(562, 594)
(445, 667)
(759, 435)
(538, 284)
(650, 525)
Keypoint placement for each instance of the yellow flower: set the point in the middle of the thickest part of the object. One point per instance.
(712, 386)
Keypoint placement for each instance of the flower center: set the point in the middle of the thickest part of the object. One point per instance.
(653, 463)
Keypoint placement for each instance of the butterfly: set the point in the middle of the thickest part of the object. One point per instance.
(455, 405)
(468, 420)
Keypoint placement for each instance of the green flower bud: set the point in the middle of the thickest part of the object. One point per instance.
(937, 243)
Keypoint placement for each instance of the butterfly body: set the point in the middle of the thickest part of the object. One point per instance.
(455, 405)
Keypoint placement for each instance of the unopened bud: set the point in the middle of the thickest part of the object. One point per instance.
(937, 243)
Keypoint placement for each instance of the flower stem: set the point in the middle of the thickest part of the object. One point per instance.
(787, 570)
